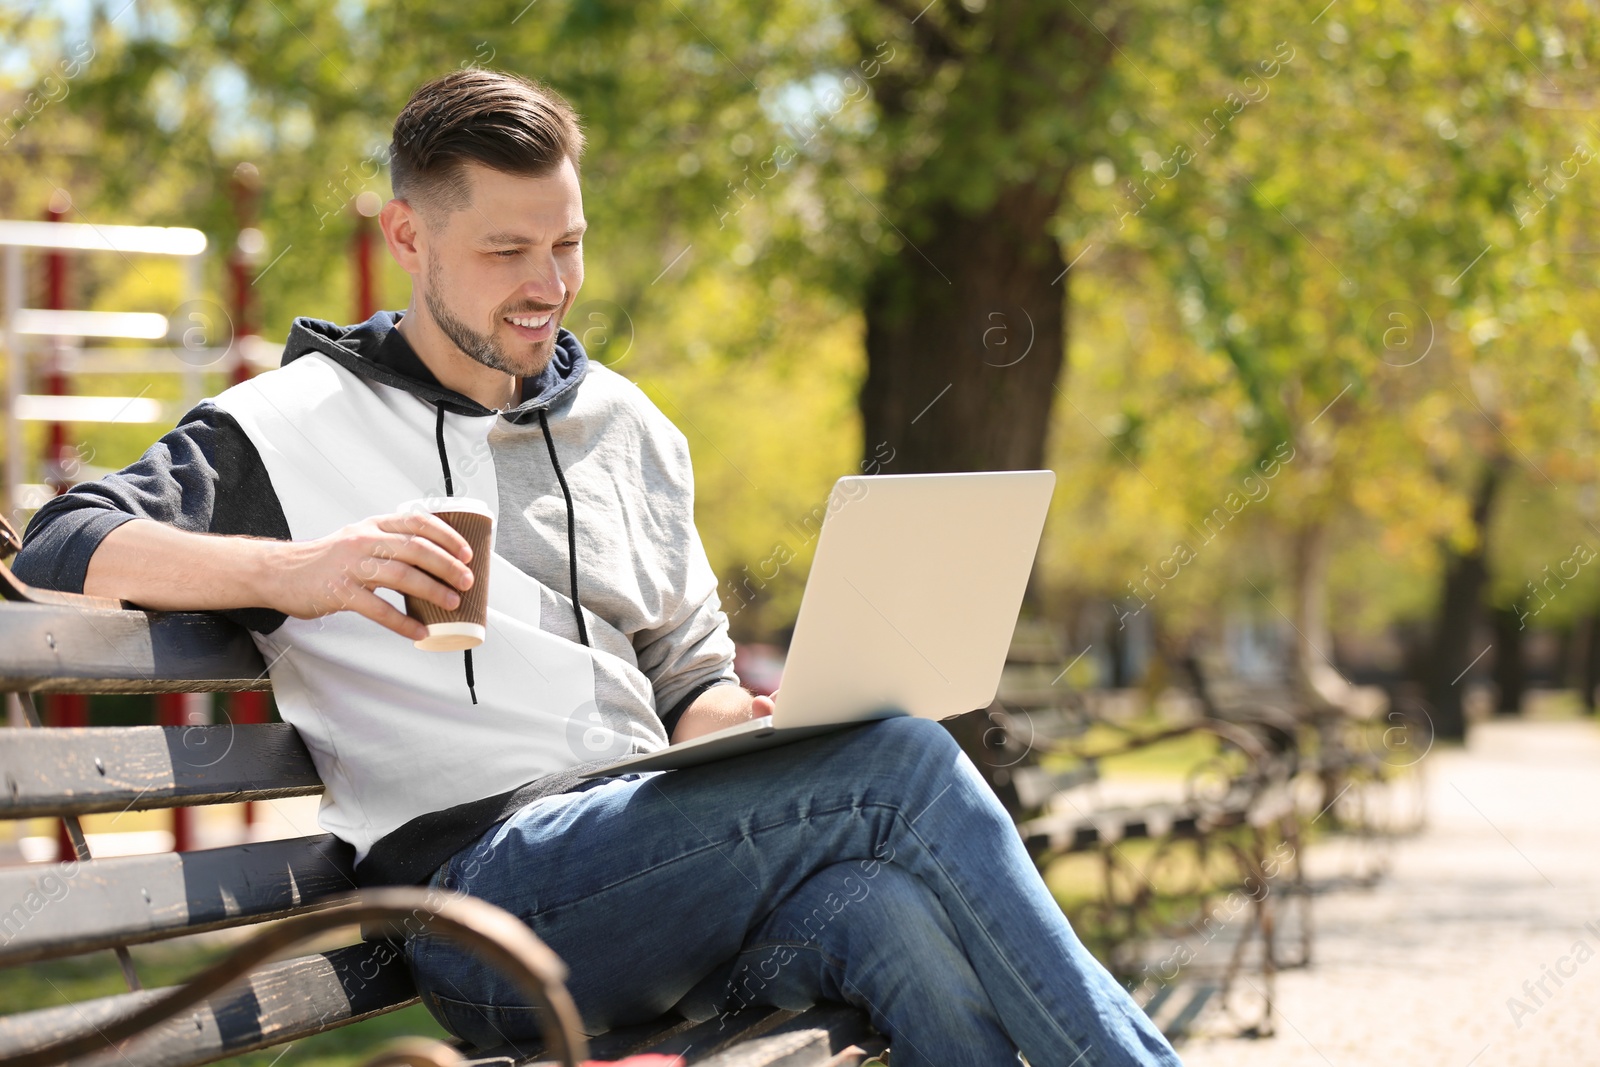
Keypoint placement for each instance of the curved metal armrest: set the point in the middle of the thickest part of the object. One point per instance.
(10, 539)
(504, 940)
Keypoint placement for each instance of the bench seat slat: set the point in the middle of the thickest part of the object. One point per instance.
(52, 648)
(83, 770)
(282, 1002)
(805, 1048)
(720, 1036)
(61, 909)
(846, 1025)
(689, 1039)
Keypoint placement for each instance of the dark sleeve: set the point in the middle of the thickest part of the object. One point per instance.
(204, 476)
(670, 719)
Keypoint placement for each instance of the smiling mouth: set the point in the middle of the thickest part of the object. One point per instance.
(530, 322)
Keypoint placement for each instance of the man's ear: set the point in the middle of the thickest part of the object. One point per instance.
(402, 228)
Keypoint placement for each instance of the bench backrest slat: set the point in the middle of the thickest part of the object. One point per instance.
(61, 909)
(281, 1002)
(61, 649)
(98, 769)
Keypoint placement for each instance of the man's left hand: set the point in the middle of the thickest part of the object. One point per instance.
(719, 707)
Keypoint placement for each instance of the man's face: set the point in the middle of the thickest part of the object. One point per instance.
(504, 270)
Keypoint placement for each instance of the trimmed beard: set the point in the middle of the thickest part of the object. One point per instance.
(479, 346)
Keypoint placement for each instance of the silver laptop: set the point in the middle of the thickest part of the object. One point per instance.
(909, 608)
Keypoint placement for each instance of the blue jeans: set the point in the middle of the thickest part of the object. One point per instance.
(872, 866)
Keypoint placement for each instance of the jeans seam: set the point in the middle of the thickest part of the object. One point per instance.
(709, 846)
(483, 1005)
(1076, 1043)
(485, 1008)
(816, 946)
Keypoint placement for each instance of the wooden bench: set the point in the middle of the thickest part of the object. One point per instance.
(300, 888)
(1032, 747)
(1361, 747)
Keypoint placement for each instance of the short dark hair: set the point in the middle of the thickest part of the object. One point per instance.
(500, 120)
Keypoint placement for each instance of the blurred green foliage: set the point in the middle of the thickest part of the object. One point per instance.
(1362, 232)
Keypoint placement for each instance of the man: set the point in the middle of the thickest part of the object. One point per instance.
(871, 865)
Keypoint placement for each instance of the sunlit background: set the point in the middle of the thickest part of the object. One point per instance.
(1298, 301)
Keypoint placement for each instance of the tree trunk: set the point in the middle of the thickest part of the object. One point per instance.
(1117, 654)
(1591, 661)
(1314, 678)
(1460, 605)
(964, 348)
(965, 337)
(1566, 669)
(1510, 677)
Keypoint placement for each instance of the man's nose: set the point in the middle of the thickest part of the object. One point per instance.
(544, 284)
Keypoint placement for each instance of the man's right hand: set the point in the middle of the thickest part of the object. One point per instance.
(163, 568)
(413, 553)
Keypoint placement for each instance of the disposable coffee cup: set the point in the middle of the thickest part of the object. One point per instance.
(465, 627)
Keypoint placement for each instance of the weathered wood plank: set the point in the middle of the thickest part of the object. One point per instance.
(695, 1041)
(840, 1025)
(71, 649)
(1035, 784)
(95, 769)
(60, 909)
(283, 1002)
(807, 1048)
(844, 1024)
(804, 1048)
(668, 1034)
(1068, 832)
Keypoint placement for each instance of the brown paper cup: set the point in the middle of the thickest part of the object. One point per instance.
(465, 627)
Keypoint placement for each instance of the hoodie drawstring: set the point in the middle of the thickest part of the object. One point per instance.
(444, 460)
(572, 528)
(450, 490)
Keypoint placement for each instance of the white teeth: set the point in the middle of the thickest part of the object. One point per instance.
(529, 322)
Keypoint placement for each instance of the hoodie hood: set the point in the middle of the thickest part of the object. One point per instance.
(375, 349)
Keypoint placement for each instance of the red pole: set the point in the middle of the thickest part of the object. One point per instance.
(55, 298)
(245, 708)
(239, 277)
(245, 190)
(61, 709)
(185, 709)
(365, 305)
(362, 243)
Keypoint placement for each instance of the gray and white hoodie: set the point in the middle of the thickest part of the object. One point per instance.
(604, 620)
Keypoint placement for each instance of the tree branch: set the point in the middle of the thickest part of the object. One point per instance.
(936, 44)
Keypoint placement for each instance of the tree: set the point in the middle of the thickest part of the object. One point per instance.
(984, 122)
(1347, 208)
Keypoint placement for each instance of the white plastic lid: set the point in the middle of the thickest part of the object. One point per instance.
(452, 637)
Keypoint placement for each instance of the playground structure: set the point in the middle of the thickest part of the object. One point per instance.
(47, 348)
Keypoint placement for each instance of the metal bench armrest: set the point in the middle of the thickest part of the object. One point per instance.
(502, 939)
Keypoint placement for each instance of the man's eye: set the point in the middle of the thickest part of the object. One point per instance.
(507, 253)
(569, 244)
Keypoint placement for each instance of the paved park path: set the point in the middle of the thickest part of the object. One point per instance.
(1428, 967)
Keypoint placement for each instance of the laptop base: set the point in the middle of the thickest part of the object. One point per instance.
(749, 736)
